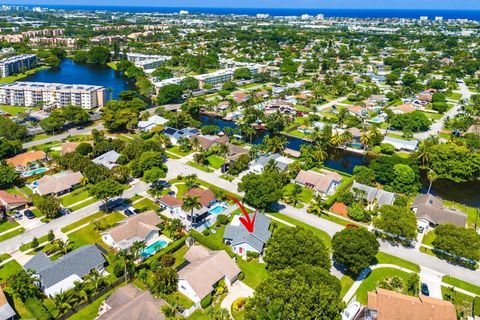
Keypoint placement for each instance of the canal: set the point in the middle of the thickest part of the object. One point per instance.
(466, 193)
(76, 73)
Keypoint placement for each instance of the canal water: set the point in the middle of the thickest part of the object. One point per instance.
(467, 193)
(76, 73)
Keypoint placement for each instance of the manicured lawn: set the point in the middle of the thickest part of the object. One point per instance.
(88, 235)
(305, 196)
(90, 312)
(179, 256)
(19, 76)
(454, 95)
(384, 258)
(182, 188)
(227, 177)
(428, 238)
(146, 204)
(346, 283)
(11, 234)
(26, 246)
(7, 225)
(74, 197)
(83, 204)
(462, 284)
(177, 298)
(322, 234)
(255, 272)
(215, 161)
(463, 303)
(371, 282)
(135, 198)
(199, 167)
(83, 221)
(433, 116)
(14, 110)
(8, 269)
(176, 150)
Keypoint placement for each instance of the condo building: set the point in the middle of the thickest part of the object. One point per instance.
(17, 64)
(217, 77)
(145, 61)
(52, 95)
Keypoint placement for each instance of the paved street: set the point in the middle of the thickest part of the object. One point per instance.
(437, 126)
(409, 254)
(12, 244)
(61, 136)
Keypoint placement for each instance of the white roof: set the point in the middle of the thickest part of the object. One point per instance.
(63, 285)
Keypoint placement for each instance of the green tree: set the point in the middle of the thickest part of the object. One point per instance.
(98, 55)
(189, 83)
(162, 73)
(459, 241)
(261, 190)
(169, 93)
(242, 73)
(164, 281)
(24, 284)
(355, 248)
(105, 190)
(358, 213)
(406, 180)
(8, 176)
(190, 203)
(47, 205)
(291, 247)
(396, 220)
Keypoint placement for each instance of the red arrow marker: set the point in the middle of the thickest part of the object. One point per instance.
(246, 220)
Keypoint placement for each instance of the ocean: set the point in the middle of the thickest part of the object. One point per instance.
(348, 13)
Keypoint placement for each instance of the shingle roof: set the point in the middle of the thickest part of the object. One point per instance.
(135, 226)
(392, 305)
(6, 311)
(431, 209)
(10, 198)
(130, 303)
(107, 159)
(58, 182)
(206, 196)
(371, 194)
(170, 201)
(206, 268)
(238, 234)
(79, 262)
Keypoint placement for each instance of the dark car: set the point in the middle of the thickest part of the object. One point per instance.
(171, 193)
(29, 214)
(424, 289)
(80, 127)
(128, 212)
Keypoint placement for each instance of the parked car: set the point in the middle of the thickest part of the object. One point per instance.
(171, 193)
(128, 212)
(424, 289)
(134, 210)
(351, 311)
(29, 214)
(18, 215)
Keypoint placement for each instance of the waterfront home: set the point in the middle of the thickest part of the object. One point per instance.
(400, 144)
(258, 165)
(177, 134)
(60, 275)
(58, 184)
(243, 241)
(152, 122)
(141, 227)
(10, 201)
(324, 183)
(372, 195)
(130, 303)
(6, 310)
(387, 305)
(23, 161)
(207, 141)
(430, 210)
(203, 271)
(108, 159)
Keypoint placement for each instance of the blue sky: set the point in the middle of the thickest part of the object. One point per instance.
(390, 4)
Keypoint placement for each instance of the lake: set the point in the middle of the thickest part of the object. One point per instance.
(343, 160)
(76, 73)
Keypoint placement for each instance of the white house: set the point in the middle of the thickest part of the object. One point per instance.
(203, 271)
(151, 123)
(242, 241)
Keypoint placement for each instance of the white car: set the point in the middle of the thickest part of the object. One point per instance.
(351, 311)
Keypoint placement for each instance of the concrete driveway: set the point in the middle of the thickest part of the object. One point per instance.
(433, 279)
(237, 290)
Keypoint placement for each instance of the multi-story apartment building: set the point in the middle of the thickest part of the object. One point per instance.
(52, 95)
(145, 61)
(216, 77)
(17, 64)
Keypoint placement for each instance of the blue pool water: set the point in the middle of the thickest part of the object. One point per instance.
(216, 210)
(377, 120)
(153, 248)
(33, 172)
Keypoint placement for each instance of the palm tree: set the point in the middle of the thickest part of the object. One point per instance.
(200, 158)
(431, 176)
(125, 257)
(347, 136)
(316, 206)
(336, 140)
(271, 166)
(137, 248)
(81, 291)
(423, 155)
(294, 194)
(222, 150)
(191, 202)
(320, 154)
(63, 246)
(96, 280)
(375, 134)
(249, 132)
(365, 140)
(63, 301)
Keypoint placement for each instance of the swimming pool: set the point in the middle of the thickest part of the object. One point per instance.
(377, 119)
(153, 248)
(33, 172)
(217, 210)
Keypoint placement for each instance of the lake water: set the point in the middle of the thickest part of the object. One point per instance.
(466, 193)
(75, 73)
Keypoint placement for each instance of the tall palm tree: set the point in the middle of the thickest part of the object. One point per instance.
(136, 249)
(63, 246)
(63, 301)
(222, 150)
(294, 194)
(431, 176)
(316, 206)
(190, 203)
(320, 154)
(347, 136)
(336, 140)
(125, 257)
(374, 133)
(423, 155)
(96, 280)
(81, 291)
(249, 132)
(365, 139)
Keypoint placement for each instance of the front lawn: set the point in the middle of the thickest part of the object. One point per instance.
(346, 282)
(74, 197)
(428, 238)
(255, 272)
(176, 150)
(83, 204)
(462, 284)
(306, 195)
(83, 221)
(385, 258)
(7, 225)
(199, 166)
(146, 204)
(27, 246)
(215, 161)
(11, 234)
(372, 280)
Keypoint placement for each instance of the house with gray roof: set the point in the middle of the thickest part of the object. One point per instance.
(177, 134)
(60, 275)
(108, 159)
(259, 164)
(400, 144)
(372, 195)
(242, 241)
(150, 123)
(431, 209)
